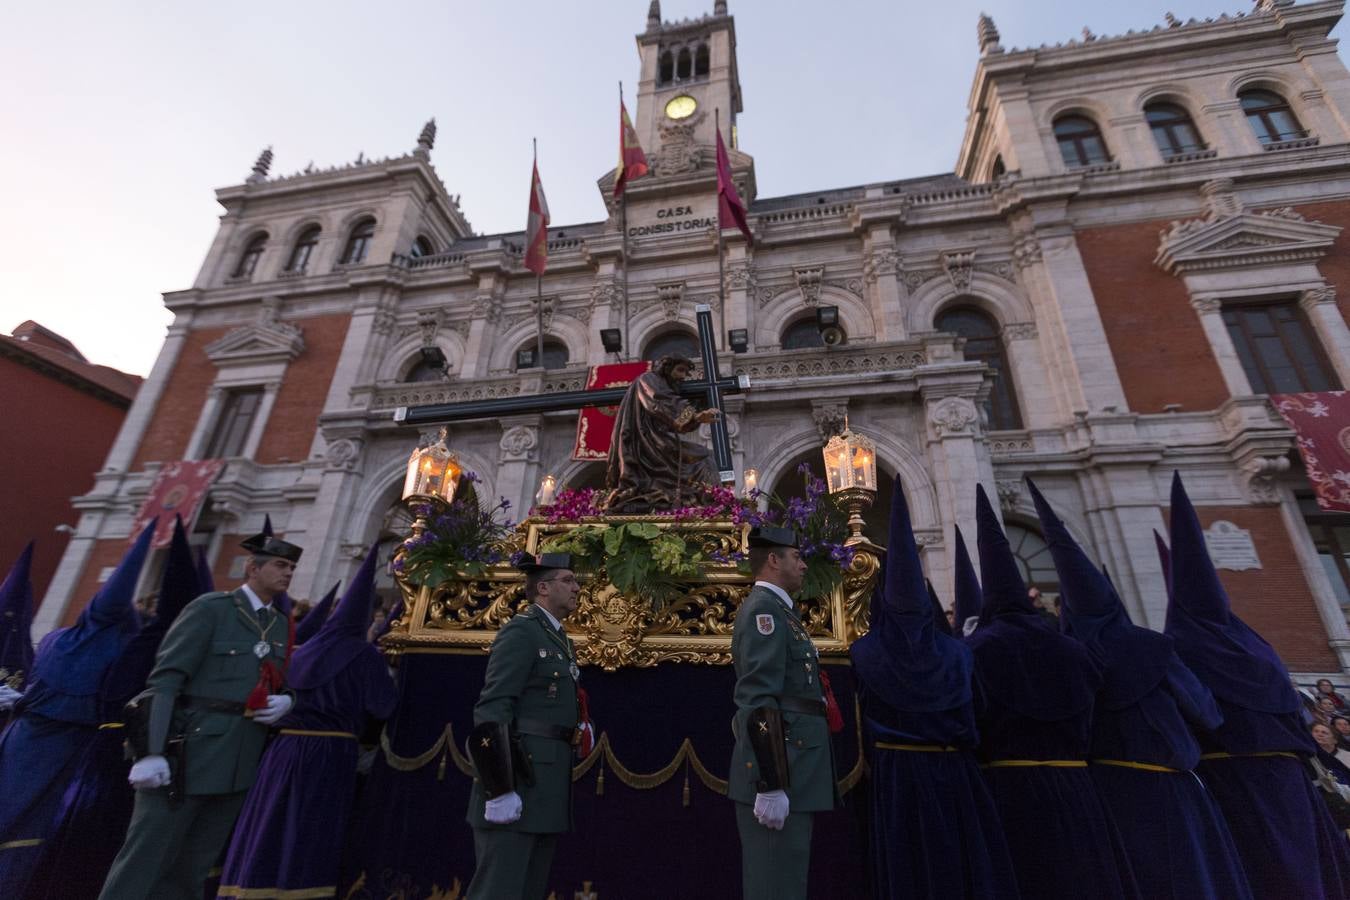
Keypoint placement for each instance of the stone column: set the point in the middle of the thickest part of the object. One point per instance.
(255, 431)
(739, 289)
(1123, 509)
(147, 398)
(1210, 311)
(1325, 317)
(1064, 302)
(1136, 148)
(881, 275)
(1031, 382)
(487, 316)
(606, 306)
(518, 461)
(330, 522)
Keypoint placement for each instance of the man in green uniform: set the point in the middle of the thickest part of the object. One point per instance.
(214, 692)
(782, 768)
(525, 726)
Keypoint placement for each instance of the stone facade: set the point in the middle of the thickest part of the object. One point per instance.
(1105, 285)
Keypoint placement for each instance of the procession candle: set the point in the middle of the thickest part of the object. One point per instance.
(547, 487)
(751, 481)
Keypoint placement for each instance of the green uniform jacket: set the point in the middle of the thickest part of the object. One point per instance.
(529, 676)
(208, 652)
(774, 658)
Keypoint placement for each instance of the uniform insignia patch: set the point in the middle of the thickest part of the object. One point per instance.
(543, 654)
(764, 622)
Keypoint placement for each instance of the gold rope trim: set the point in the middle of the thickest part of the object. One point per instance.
(305, 732)
(915, 748)
(1127, 764)
(446, 744)
(110, 725)
(273, 893)
(1035, 763)
(1241, 755)
(15, 845)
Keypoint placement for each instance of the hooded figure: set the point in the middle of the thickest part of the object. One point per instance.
(1034, 692)
(969, 599)
(935, 831)
(314, 619)
(16, 642)
(1254, 763)
(58, 718)
(1142, 750)
(289, 837)
(97, 805)
(939, 611)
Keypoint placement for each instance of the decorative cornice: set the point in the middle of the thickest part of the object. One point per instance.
(1241, 239)
(267, 339)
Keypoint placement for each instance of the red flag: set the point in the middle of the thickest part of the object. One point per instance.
(595, 425)
(632, 161)
(1320, 422)
(179, 488)
(536, 228)
(729, 205)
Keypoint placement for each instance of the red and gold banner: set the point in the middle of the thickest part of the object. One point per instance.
(180, 488)
(536, 226)
(1322, 422)
(595, 425)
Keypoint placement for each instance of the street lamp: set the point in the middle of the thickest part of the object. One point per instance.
(851, 473)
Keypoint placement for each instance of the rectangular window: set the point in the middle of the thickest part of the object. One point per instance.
(1278, 351)
(237, 411)
(1330, 532)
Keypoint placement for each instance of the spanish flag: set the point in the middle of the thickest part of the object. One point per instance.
(632, 161)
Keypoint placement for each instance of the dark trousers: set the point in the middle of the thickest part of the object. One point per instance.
(774, 864)
(171, 847)
(510, 864)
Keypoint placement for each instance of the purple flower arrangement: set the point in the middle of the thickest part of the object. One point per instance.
(821, 525)
(462, 538)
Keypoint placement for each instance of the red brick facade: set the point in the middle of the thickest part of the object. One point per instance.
(295, 417)
(1159, 346)
(175, 415)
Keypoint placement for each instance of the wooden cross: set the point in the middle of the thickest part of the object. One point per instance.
(711, 389)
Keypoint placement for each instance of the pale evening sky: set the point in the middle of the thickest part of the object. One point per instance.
(120, 119)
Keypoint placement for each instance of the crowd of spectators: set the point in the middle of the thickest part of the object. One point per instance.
(1328, 719)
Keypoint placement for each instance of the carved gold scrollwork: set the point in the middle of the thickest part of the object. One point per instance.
(613, 630)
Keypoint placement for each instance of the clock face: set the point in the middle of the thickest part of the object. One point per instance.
(681, 107)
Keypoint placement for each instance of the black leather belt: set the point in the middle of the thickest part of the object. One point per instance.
(211, 704)
(536, 728)
(798, 705)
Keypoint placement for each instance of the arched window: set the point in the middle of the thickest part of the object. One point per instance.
(671, 343)
(1270, 117)
(1080, 141)
(999, 170)
(685, 67)
(358, 243)
(1033, 557)
(303, 249)
(555, 353)
(421, 247)
(667, 68)
(422, 371)
(701, 61)
(984, 345)
(877, 519)
(1173, 131)
(249, 260)
(802, 334)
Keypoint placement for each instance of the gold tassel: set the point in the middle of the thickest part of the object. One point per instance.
(686, 784)
(600, 780)
(440, 769)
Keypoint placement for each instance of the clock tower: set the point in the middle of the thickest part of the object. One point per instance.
(688, 72)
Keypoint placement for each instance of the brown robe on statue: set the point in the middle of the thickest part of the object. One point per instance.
(650, 467)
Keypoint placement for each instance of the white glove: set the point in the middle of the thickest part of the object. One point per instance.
(8, 696)
(277, 707)
(504, 810)
(149, 772)
(771, 809)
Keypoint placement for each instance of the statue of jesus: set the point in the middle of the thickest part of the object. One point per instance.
(651, 467)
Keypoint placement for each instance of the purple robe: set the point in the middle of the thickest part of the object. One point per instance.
(289, 836)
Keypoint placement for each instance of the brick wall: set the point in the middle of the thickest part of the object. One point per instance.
(295, 416)
(1159, 345)
(57, 437)
(1335, 266)
(175, 415)
(1275, 600)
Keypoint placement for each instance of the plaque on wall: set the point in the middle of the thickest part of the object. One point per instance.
(1231, 547)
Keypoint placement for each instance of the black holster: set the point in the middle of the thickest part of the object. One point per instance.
(493, 759)
(136, 716)
(765, 726)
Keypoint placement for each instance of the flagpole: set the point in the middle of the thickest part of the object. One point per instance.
(721, 265)
(539, 287)
(623, 227)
